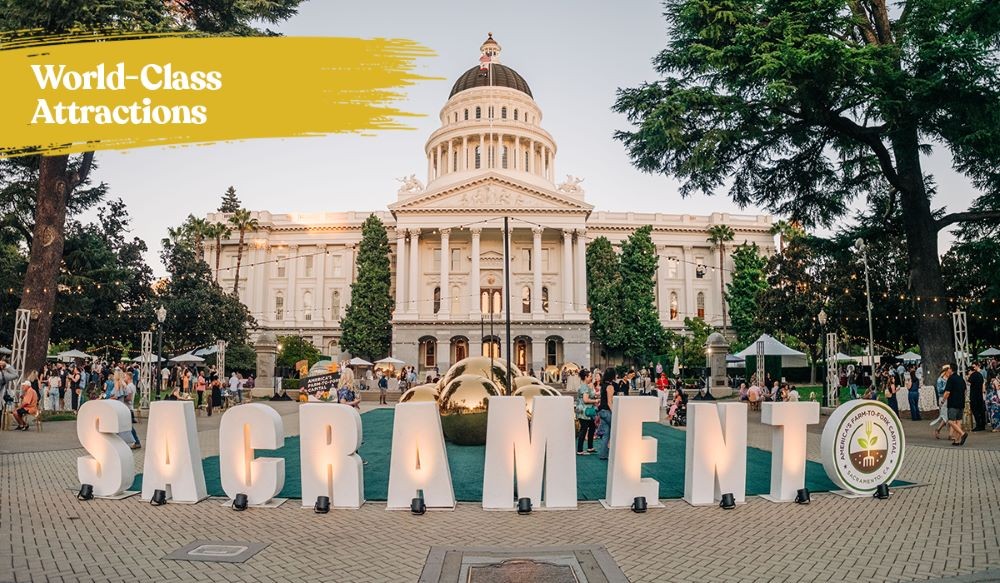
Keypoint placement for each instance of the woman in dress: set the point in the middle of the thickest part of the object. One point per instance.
(890, 394)
(993, 404)
(913, 396)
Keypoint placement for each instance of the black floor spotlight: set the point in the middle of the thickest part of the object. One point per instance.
(86, 492)
(417, 506)
(240, 503)
(802, 496)
(524, 505)
(639, 504)
(322, 505)
(159, 498)
(882, 492)
(728, 502)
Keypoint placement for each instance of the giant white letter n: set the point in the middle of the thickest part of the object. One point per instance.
(716, 456)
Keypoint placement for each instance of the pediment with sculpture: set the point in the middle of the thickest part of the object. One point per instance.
(492, 194)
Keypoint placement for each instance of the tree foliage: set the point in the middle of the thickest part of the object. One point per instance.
(604, 285)
(641, 331)
(367, 328)
(296, 348)
(747, 284)
(230, 202)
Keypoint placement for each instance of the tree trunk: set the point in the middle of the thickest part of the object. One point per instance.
(934, 330)
(239, 259)
(218, 256)
(42, 275)
(722, 284)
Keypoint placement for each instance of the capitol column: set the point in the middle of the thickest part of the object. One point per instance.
(320, 259)
(400, 272)
(663, 295)
(567, 272)
(291, 268)
(414, 279)
(531, 156)
(465, 153)
(581, 271)
(689, 308)
(445, 273)
(474, 301)
(536, 273)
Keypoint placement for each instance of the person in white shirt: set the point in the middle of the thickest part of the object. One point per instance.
(165, 378)
(236, 387)
(793, 394)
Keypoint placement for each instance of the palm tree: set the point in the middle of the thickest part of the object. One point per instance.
(197, 229)
(718, 236)
(786, 231)
(218, 231)
(242, 222)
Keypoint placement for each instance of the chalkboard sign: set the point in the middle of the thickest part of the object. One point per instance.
(320, 383)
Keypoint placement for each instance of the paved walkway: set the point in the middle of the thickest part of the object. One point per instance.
(945, 529)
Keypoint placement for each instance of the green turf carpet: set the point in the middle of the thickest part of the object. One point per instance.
(467, 466)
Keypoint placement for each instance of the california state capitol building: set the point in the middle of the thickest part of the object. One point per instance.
(490, 158)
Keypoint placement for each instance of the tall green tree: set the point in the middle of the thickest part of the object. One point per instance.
(367, 328)
(604, 284)
(218, 232)
(295, 348)
(230, 202)
(59, 176)
(744, 290)
(718, 236)
(242, 222)
(803, 106)
(642, 333)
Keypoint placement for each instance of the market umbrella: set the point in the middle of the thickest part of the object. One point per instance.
(187, 357)
(677, 366)
(151, 358)
(390, 361)
(72, 354)
(358, 361)
(987, 352)
(909, 356)
(4, 350)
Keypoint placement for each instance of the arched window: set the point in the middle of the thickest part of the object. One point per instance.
(454, 162)
(479, 112)
(335, 305)
(459, 349)
(491, 346)
(503, 112)
(479, 156)
(545, 300)
(521, 346)
(515, 115)
(437, 300)
(701, 304)
(456, 116)
(279, 306)
(307, 306)
(526, 161)
(526, 300)
(503, 157)
(428, 352)
(673, 306)
(553, 350)
(466, 115)
(497, 301)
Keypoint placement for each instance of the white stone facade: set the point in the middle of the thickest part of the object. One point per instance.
(490, 159)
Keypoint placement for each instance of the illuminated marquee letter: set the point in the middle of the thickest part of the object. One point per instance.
(788, 446)
(419, 458)
(173, 456)
(546, 450)
(716, 456)
(109, 467)
(242, 430)
(329, 436)
(629, 450)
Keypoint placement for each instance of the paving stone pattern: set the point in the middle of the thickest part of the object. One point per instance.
(947, 527)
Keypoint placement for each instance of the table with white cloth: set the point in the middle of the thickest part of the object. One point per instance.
(928, 399)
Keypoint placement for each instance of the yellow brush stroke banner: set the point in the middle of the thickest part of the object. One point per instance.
(169, 90)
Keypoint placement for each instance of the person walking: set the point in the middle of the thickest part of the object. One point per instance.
(977, 398)
(890, 394)
(234, 387)
(215, 397)
(199, 387)
(586, 411)
(607, 392)
(913, 396)
(954, 396)
(127, 394)
(383, 388)
(993, 403)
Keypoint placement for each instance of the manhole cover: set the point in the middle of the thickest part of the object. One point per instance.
(217, 551)
(569, 564)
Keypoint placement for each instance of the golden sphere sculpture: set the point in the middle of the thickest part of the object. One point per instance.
(464, 403)
(420, 393)
(524, 381)
(493, 369)
(529, 392)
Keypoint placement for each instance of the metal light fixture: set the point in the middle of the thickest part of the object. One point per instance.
(417, 506)
(728, 502)
(882, 492)
(524, 505)
(322, 505)
(639, 504)
(159, 498)
(802, 496)
(86, 492)
(821, 317)
(240, 503)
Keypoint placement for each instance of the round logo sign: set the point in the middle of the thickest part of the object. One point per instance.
(862, 446)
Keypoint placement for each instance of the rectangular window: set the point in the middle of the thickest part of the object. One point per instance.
(338, 269)
(699, 267)
(436, 260)
(545, 261)
(282, 263)
(526, 258)
(456, 260)
(309, 266)
(279, 308)
(672, 267)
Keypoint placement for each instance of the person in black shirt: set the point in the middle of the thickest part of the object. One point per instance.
(977, 399)
(954, 396)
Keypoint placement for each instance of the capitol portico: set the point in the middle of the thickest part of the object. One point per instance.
(490, 159)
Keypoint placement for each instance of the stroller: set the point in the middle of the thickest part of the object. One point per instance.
(680, 415)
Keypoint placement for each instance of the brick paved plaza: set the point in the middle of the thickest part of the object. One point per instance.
(946, 528)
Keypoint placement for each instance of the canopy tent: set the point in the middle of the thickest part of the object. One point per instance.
(389, 361)
(772, 347)
(206, 351)
(358, 361)
(909, 356)
(990, 352)
(733, 361)
(72, 355)
(186, 358)
(841, 357)
(152, 358)
(4, 350)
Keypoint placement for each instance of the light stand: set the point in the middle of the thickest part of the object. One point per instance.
(161, 317)
(859, 245)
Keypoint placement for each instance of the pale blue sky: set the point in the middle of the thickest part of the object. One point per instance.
(573, 54)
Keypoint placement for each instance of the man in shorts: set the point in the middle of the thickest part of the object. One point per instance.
(954, 396)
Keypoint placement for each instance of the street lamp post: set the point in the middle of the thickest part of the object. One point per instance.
(161, 317)
(822, 322)
(859, 246)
